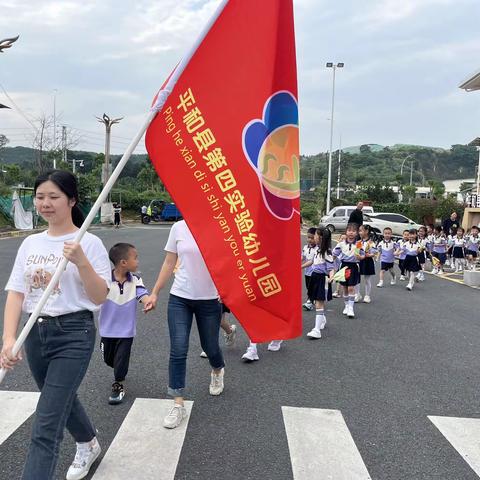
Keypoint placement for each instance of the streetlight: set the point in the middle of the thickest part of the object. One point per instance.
(7, 43)
(54, 127)
(411, 166)
(329, 182)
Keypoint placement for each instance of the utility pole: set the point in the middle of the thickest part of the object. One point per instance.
(339, 166)
(108, 122)
(64, 143)
(54, 127)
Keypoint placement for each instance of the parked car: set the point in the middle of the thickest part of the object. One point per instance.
(337, 218)
(397, 222)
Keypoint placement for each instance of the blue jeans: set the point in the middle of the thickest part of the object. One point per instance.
(208, 314)
(58, 351)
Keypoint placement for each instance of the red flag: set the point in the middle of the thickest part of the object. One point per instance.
(226, 147)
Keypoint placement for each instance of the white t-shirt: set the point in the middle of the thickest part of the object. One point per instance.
(36, 262)
(192, 279)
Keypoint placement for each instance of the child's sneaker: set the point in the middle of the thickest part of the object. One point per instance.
(435, 271)
(216, 382)
(350, 312)
(380, 284)
(86, 454)
(358, 298)
(308, 306)
(230, 337)
(314, 333)
(393, 281)
(345, 310)
(118, 392)
(409, 287)
(336, 294)
(175, 416)
(250, 355)
(274, 345)
(367, 299)
(402, 277)
(203, 354)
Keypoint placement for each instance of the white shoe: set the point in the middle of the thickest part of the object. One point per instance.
(230, 337)
(308, 306)
(435, 271)
(358, 298)
(175, 416)
(402, 277)
(86, 454)
(345, 310)
(422, 277)
(367, 299)
(447, 263)
(216, 382)
(250, 355)
(409, 287)
(336, 294)
(203, 354)
(380, 284)
(314, 333)
(324, 323)
(274, 345)
(350, 312)
(393, 281)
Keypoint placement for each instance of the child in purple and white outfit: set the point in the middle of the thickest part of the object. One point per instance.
(439, 251)
(387, 248)
(118, 315)
(473, 241)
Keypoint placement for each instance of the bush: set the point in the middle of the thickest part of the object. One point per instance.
(309, 212)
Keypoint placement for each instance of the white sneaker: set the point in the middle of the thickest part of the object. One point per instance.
(367, 299)
(358, 298)
(350, 312)
(308, 306)
(230, 337)
(422, 277)
(314, 333)
(250, 355)
(86, 454)
(203, 354)
(402, 277)
(216, 382)
(345, 310)
(274, 345)
(175, 416)
(324, 323)
(435, 271)
(336, 294)
(409, 287)
(393, 281)
(380, 284)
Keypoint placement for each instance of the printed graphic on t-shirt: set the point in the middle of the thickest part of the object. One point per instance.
(39, 272)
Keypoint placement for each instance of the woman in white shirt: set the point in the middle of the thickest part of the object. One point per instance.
(192, 293)
(61, 342)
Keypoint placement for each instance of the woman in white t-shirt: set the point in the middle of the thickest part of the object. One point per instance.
(192, 293)
(61, 342)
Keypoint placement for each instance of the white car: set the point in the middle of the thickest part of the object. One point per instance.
(397, 222)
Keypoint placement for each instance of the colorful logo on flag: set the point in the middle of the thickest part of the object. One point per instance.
(271, 145)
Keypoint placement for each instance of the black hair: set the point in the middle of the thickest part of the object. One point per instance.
(119, 252)
(67, 183)
(438, 229)
(406, 230)
(352, 226)
(367, 228)
(462, 229)
(326, 243)
(311, 231)
(387, 228)
(475, 227)
(413, 231)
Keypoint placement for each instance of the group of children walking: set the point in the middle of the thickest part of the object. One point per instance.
(354, 256)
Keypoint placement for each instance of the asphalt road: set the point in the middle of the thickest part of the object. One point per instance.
(404, 357)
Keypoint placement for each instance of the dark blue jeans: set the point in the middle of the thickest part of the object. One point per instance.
(58, 351)
(208, 314)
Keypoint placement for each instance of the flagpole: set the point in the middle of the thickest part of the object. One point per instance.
(160, 101)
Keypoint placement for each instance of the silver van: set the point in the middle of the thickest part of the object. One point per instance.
(337, 218)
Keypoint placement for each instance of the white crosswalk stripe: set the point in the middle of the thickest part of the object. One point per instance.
(321, 447)
(464, 435)
(143, 445)
(15, 408)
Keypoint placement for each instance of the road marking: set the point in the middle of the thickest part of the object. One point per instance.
(321, 447)
(15, 408)
(464, 435)
(143, 445)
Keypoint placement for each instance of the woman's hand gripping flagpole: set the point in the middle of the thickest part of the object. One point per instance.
(158, 105)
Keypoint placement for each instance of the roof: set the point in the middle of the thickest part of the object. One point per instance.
(472, 83)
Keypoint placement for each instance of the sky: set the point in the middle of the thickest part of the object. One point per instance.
(404, 61)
